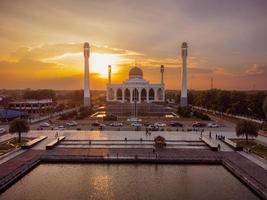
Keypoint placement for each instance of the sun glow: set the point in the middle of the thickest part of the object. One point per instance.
(99, 63)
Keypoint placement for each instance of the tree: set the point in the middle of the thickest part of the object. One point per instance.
(39, 94)
(19, 126)
(247, 128)
(84, 112)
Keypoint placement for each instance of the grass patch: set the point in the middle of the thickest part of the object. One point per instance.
(255, 147)
(11, 144)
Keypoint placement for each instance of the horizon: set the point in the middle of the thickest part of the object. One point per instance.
(225, 45)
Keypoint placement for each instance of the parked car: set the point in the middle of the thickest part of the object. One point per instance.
(198, 124)
(72, 123)
(153, 128)
(213, 125)
(176, 124)
(116, 124)
(2, 130)
(45, 124)
(159, 124)
(136, 124)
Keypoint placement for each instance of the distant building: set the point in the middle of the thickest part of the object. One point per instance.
(32, 106)
(7, 115)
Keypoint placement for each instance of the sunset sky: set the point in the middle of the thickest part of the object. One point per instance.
(42, 42)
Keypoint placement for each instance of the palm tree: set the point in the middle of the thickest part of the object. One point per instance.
(19, 126)
(247, 128)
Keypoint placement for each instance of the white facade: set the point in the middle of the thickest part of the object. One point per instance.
(136, 88)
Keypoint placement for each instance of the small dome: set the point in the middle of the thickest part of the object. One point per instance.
(135, 72)
(86, 45)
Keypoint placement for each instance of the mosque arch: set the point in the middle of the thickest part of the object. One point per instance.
(151, 94)
(119, 94)
(111, 94)
(135, 95)
(127, 95)
(143, 95)
(160, 94)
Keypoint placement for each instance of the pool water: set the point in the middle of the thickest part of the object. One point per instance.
(128, 181)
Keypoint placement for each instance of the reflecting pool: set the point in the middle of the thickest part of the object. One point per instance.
(128, 181)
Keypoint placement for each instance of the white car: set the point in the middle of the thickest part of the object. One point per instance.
(72, 123)
(116, 124)
(213, 125)
(136, 124)
(44, 124)
(134, 119)
(160, 124)
(2, 130)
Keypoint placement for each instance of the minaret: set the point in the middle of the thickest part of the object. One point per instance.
(109, 74)
(162, 72)
(183, 102)
(86, 50)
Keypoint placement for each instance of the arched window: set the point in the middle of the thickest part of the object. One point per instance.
(143, 95)
(135, 94)
(151, 94)
(160, 94)
(119, 94)
(111, 94)
(127, 95)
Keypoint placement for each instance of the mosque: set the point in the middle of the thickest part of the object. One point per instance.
(136, 93)
(136, 89)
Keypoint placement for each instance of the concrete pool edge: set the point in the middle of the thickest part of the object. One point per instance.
(220, 159)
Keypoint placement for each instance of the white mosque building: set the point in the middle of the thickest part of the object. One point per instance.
(136, 89)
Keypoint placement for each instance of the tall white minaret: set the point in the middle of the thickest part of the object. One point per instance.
(183, 102)
(162, 73)
(109, 74)
(86, 51)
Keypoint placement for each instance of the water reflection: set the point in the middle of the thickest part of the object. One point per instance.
(117, 181)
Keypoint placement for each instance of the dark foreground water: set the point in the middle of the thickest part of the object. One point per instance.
(123, 182)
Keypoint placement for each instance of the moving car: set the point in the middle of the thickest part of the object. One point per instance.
(198, 124)
(176, 124)
(45, 124)
(159, 124)
(213, 125)
(72, 123)
(153, 128)
(2, 130)
(136, 124)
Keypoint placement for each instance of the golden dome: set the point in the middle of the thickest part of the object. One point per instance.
(136, 72)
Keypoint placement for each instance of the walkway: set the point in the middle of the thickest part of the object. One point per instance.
(254, 158)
